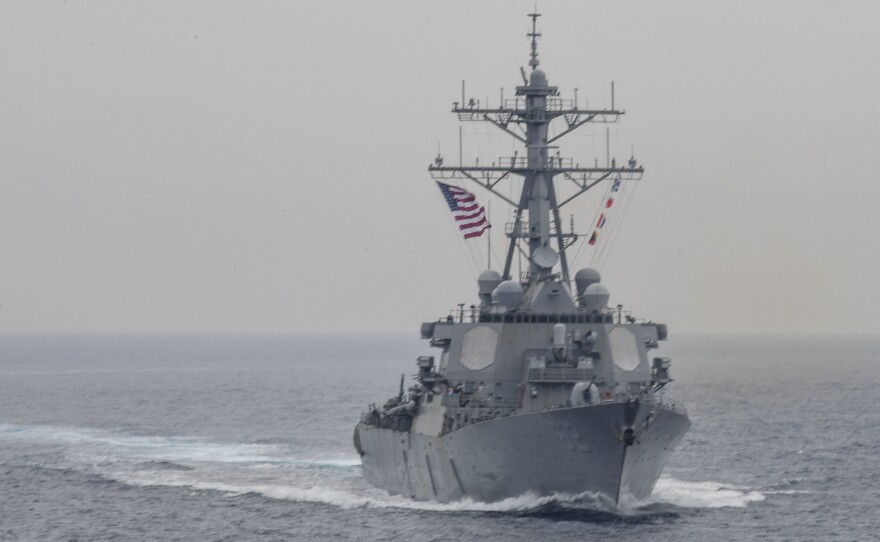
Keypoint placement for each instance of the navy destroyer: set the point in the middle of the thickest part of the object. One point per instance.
(540, 387)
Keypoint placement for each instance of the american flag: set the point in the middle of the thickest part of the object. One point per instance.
(470, 215)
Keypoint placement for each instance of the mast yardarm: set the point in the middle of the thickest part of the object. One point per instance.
(536, 218)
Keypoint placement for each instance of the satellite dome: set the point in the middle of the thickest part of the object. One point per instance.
(584, 277)
(487, 282)
(596, 297)
(538, 78)
(508, 293)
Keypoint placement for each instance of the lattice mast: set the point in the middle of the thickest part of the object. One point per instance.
(536, 106)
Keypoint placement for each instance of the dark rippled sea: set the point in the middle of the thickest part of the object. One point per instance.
(249, 438)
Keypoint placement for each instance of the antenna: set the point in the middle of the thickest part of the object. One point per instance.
(534, 62)
(489, 236)
(607, 147)
(459, 146)
(439, 160)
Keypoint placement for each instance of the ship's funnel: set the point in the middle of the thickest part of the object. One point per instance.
(488, 281)
(596, 297)
(584, 277)
(508, 293)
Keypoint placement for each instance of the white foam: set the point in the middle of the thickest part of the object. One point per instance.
(786, 492)
(679, 493)
(275, 472)
(702, 494)
(179, 449)
(360, 497)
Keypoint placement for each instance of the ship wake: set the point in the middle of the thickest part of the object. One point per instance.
(281, 472)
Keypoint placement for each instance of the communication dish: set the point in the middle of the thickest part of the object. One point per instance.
(545, 257)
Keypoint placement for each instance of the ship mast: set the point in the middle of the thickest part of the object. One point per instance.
(536, 106)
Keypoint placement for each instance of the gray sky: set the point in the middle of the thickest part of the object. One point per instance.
(261, 166)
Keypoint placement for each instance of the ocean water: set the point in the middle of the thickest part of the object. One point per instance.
(249, 438)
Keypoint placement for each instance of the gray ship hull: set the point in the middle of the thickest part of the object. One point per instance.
(569, 450)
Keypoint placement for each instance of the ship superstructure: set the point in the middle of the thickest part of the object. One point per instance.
(540, 387)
